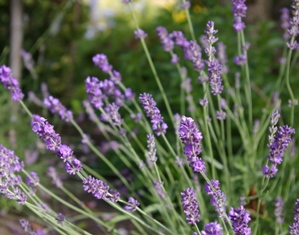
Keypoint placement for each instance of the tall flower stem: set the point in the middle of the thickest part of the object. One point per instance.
(150, 61)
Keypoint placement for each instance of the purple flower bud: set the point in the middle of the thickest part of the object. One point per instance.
(240, 60)
(132, 204)
(139, 34)
(220, 115)
(10, 83)
(175, 59)
(186, 5)
(65, 153)
(73, 167)
(212, 229)
(33, 179)
(60, 219)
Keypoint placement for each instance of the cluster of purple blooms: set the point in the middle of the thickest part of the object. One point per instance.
(191, 137)
(55, 106)
(294, 23)
(277, 148)
(294, 228)
(100, 190)
(46, 133)
(217, 197)
(239, 10)
(190, 205)
(10, 164)
(212, 229)
(240, 219)
(151, 110)
(10, 83)
(214, 67)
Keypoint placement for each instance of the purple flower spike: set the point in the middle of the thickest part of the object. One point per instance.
(294, 228)
(151, 110)
(212, 229)
(278, 210)
(101, 61)
(45, 132)
(55, 106)
(10, 83)
(218, 198)
(239, 10)
(139, 34)
(132, 204)
(278, 147)
(158, 185)
(293, 29)
(190, 206)
(166, 41)
(240, 219)
(151, 145)
(112, 114)
(191, 137)
(285, 22)
(96, 187)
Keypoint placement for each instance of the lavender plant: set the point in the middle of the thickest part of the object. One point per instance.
(180, 165)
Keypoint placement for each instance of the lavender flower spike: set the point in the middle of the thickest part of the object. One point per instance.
(151, 110)
(240, 219)
(239, 10)
(294, 228)
(214, 67)
(218, 198)
(191, 137)
(10, 83)
(55, 106)
(190, 205)
(277, 149)
(9, 181)
(151, 145)
(278, 210)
